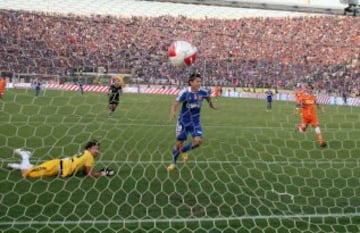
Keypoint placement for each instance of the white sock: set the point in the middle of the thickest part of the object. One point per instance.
(25, 163)
(16, 166)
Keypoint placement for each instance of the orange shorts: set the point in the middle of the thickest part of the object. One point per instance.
(309, 119)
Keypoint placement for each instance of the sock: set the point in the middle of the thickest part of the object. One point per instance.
(188, 147)
(15, 166)
(175, 155)
(25, 163)
(318, 135)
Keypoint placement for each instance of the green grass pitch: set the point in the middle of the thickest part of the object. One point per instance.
(253, 173)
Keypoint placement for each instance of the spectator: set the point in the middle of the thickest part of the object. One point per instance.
(327, 50)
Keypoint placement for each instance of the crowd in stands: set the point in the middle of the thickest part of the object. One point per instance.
(261, 52)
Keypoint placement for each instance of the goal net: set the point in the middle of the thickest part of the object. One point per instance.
(253, 172)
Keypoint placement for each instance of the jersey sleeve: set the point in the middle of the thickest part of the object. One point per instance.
(181, 96)
(205, 93)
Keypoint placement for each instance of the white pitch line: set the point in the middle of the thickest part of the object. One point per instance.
(302, 162)
(179, 220)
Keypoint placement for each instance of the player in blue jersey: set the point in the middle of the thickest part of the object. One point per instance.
(188, 122)
(37, 88)
(81, 87)
(269, 98)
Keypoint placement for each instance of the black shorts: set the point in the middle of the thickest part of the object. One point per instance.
(113, 100)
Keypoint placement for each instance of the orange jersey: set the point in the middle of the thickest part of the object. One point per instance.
(298, 95)
(218, 91)
(308, 102)
(2, 84)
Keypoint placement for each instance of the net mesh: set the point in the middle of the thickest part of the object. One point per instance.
(253, 177)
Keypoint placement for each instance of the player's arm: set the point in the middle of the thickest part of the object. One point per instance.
(299, 104)
(320, 107)
(173, 110)
(211, 104)
(297, 108)
(90, 171)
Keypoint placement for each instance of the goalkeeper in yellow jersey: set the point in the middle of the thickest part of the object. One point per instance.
(79, 163)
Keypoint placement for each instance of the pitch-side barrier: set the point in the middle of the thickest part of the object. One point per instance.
(230, 93)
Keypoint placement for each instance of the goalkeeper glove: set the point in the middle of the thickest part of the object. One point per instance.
(107, 171)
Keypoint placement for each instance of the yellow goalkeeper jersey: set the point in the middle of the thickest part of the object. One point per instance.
(77, 163)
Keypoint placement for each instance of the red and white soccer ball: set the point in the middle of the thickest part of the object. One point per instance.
(182, 53)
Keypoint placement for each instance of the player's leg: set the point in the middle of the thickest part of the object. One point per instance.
(25, 160)
(268, 106)
(112, 107)
(114, 103)
(176, 151)
(190, 146)
(216, 94)
(315, 124)
(48, 168)
(196, 134)
(15, 166)
(196, 142)
(303, 125)
(181, 135)
(175, 154)
(297, 108)
(111, 103)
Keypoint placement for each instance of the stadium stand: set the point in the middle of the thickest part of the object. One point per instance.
(290, 51)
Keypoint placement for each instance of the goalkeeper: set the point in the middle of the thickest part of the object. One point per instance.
(80, 163)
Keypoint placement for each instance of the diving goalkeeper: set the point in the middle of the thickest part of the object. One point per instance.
(79, 163)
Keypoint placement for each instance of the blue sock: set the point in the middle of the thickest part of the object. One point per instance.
(175, 155)
(188, 147)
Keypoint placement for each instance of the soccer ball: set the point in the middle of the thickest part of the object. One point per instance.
(182, 53)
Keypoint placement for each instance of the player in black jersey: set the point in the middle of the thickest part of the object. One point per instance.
(115, 90)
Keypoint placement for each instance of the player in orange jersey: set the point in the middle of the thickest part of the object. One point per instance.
(308, 114)
(299, 91)
(218, 91)
(2, 87)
